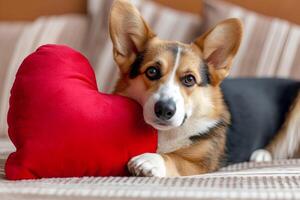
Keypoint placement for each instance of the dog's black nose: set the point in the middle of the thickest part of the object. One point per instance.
(165, 110)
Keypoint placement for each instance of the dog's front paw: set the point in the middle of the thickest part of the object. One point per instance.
(148, 164)
(261, 155)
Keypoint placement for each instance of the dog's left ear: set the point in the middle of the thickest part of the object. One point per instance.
(219, 46)
(129, 33)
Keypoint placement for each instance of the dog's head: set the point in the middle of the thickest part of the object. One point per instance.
(171, 80)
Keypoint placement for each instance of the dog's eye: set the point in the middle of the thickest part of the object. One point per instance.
(188, 80)
(153, 73)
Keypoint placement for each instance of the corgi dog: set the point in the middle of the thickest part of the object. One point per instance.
(199, 117)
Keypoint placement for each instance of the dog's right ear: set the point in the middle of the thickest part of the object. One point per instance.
(129, 33)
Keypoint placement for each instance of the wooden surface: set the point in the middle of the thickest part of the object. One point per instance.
(287, 9)
(30, 9)
(194, 6)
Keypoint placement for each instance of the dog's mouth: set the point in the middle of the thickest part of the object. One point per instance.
(161, 123)
(184, 120)
(162, 126)
(165, 125)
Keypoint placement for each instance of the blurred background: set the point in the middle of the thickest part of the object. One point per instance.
(270, 47)
(13, 10)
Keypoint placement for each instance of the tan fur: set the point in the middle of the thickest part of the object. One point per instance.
(201, 157)
(216, 48)
(286, 143)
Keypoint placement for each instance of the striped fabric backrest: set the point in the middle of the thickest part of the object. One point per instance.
(270, 47)
(167, 24)
(20, 39)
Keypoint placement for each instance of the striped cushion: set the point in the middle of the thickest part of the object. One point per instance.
(271, 46)
(270, 180)
(164, 21)
(20, 39)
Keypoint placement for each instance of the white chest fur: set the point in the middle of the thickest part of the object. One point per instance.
(177, 138)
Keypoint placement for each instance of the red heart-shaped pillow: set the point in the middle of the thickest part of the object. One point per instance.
(63, 127)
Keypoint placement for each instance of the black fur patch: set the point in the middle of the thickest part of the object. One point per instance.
(136, 65)
(258, 108)
(204, 75)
